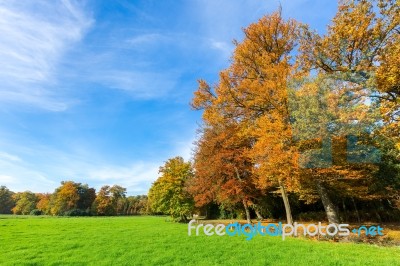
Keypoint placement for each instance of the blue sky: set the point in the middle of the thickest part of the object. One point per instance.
(98, 91)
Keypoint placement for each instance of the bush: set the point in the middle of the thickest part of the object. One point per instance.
(76, 212)
(36, 212)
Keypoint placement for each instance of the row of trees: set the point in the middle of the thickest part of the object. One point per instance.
(73, 199)
(313, 118)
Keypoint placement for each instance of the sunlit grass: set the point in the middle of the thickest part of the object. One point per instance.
(153, 241)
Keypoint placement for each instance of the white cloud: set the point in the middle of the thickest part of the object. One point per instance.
(5, 179)
(33, 39)
(138, 172)
(20, 173)
(20, 176)
(223, 47)
(41, 169)
(9, 157)
(140, 84)
(136, 177)
(147, 38)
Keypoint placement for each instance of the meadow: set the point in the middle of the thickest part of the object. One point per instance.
(147, 240)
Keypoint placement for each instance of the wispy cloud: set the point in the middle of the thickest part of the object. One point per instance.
(5, 179)
(148, 38)
(33, 39)
(53, 55)
(136, 177)
(9, 157)
(224, 47)
(18, 175)
(41, 168)
(140, 84)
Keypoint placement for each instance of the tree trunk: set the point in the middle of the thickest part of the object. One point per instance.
(379, 207)
(355, 208)
(183, 219)
(259, 216)
(377, 215)
(246, 208)
(285, 198)
(329, 207)
(344, 210)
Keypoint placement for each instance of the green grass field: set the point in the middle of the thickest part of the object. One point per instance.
(153, 241)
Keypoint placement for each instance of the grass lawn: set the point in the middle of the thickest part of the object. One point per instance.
(153, 241)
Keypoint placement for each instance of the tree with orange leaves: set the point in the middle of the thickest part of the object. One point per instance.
(71, 196)
(338, 87)
(65, 198)
(252, 95)
(44, 202)
(223, 171)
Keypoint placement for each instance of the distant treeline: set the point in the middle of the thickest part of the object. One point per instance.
(73, 199)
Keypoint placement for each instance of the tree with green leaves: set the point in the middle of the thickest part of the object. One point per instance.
(25, 202)
(135, 205)
(6, 200)
(353, 95)
(110, 200)
(72, 196)
(168, 194)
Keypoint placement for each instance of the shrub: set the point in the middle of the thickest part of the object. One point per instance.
(36, 212)
(76, 212)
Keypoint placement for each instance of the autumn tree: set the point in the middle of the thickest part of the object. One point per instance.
(65, 198)
(70, 196)
(25, 202)
(118, 196)
(328, 126)
(6, 200)
(44, 203)
(110, 200)
(223, 171)
(361, 48)
(102, 204)
(168, 194)
(353, 58)
(136, 205)
(87, 196)
(253, 92)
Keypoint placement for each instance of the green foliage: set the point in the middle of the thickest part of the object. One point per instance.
(36, 212)
(386, 182)
(168, 195)
(135, 205)
(6, 200)
(70, 196)
(77, 212)
(25, 202)
(110, 201)
(86, 196)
